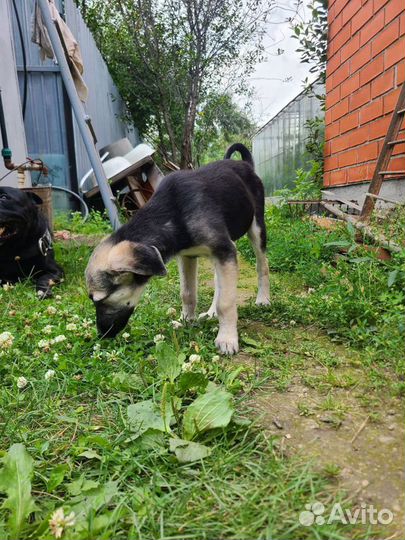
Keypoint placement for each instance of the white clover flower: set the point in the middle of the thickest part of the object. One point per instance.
(177, 324)
(194, 358)
(49, 374)
(8, 286)
(51, 310)
(58, 339)
(292, 323)
(126, 335)
(43, 344)
(58, 297)
(86, 323)
(6, 340)
(71, 326)
(76, 317)
(215, 358)
(171, 312)
(96, 347)
(159, 337)
(56, 357)
(21, 382)
(187, 366)
(59, 522)
(47, 329)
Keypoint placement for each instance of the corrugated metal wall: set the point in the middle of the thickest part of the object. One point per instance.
(279, 146)
(48, 117)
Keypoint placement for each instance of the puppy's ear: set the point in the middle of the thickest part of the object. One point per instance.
(137, 258)
(34, 197)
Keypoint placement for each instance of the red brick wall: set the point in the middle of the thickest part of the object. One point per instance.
(366, 66)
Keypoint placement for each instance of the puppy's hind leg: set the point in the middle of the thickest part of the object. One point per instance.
(257, 237)
(188, 285)
(227, 278)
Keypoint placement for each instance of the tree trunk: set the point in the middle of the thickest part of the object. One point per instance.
(186, 161)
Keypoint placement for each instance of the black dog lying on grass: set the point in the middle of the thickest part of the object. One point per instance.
(25, 242)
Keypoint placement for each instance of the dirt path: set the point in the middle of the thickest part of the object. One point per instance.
(318, 402)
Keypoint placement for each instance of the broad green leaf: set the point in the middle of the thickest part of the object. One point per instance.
(392, 277)
(15, 481)
(90, 454)
(80, 485)
(188, 451)
(143, 416)
(211, 410)
(56, 477)
(94, 499)
(168, 361)
(191, 379)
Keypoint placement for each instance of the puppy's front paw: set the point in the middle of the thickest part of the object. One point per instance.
(43, 294)
(262, 301)
(227, 344)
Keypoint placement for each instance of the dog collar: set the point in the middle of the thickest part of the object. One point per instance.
(45, 243)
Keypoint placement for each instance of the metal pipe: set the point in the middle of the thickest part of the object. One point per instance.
(80, 115)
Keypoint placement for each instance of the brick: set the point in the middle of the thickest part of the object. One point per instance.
(396, 164)
(329, 84)
(340, 109)
(393, 9)
(400, 69)
(395, 53)
(339, 40)
(326, 179)
(363, 16)
(372, 28)
(330, 163)
(332, 130)
(333, 63)
(357, 174)
(332, 97)
(361, 97)
(382, 84)
(347, 158)
(360, 58)
(342, 4)
(340, 74)
(350, 85)
(327, 149)
(385, 38)
(367, 152)
(350, 10)
(399, 148)
(378, 128)
(378, 4)
(390, 101)
(371, 111)
(349, 121)
(335, 26)
(328, 117)
(358, 136)
(337, 178)
(350, 48)
(372, 70)
(402, 25)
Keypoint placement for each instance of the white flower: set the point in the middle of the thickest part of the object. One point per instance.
(59, 522)
(8, 286)
(58, 297)
(96, 347)
(86, 323)
(56, 357)
(49, 374)
(58, 339)
(292, 323)
(22, 382)
(171, 312)
(159, 337)
(6, 340)
(47, 329)
(51, 310)
(71, 326)
(194, 358)
(176, 324)
(43, 344)
(126, 335)
(215, 358)
(311, 290)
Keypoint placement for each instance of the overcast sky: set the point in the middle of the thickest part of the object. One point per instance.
(279, 79)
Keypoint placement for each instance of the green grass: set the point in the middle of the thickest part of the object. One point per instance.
(86, 456)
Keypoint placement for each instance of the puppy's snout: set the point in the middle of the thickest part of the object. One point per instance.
(110, 323)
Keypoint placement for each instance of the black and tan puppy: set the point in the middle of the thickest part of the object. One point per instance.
(192, 213)
(25, 242)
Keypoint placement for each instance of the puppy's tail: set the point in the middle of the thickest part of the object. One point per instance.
(243, 151)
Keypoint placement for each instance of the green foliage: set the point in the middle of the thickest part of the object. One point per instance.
(15, 481)
(169, 58)
(97, 223)
(353, 295)
(313, 39)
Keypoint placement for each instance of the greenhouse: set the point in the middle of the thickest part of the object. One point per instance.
(279, 146)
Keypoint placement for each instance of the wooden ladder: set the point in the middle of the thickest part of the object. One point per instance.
(381, 169)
